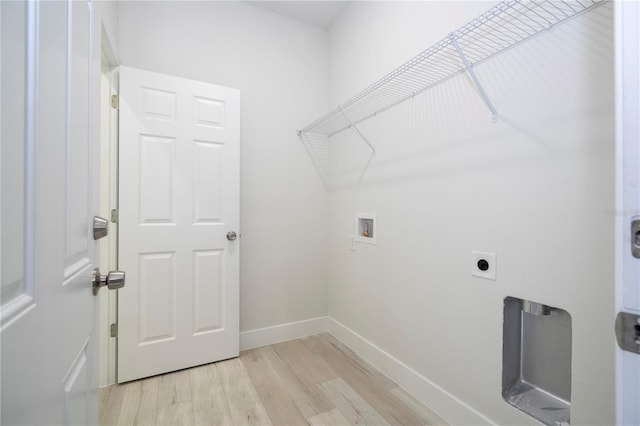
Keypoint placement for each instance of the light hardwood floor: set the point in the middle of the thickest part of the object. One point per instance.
(311, 381)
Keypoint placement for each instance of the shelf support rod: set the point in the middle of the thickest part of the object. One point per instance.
(473, 76)
(357, 131)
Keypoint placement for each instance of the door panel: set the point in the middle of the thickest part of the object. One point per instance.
(77, 166)
(157, 177)
(157, 297)
(49, 373)
(18, 27)
(208, 294)
(207, 182)
(179, 196)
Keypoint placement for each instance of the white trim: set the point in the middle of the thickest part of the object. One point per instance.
(283, 332)
(445, 404)
(619, 202)
(627, 49)
(108, 189)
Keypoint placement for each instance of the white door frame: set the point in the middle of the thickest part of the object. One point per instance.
(627, 280)
(108, 201)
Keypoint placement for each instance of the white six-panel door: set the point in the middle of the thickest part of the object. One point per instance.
(178, 199)
(49, 369)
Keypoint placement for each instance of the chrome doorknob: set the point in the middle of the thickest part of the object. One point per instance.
(113, 280)
(231, 236)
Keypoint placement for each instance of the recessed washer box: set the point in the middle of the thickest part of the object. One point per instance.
(366, 231)
(536, 360)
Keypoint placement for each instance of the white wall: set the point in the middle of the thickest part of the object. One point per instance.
(536, 188)
(107, 14)
(280, 67)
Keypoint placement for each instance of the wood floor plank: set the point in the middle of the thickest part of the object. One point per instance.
(111, 403)
(432, 419)
(277, 401)
(180, 413)
(130, 403)
(329, 418)
(175, 406)
(352, 406)
(148, 410)
(367, 382)
(346, 364)
(244, 402)
(361, 364)
(103, 401)
(139, 406)
(174, 388)
(210, 403)
(299, 382)
(297, 354)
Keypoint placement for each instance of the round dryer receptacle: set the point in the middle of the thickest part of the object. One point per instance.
(483, 265)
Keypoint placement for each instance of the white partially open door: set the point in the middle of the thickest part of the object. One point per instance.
(49, 365)
(628, 209)
(179, 217)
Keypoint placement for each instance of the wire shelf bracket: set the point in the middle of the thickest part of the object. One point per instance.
(474, 77)
(357, 131)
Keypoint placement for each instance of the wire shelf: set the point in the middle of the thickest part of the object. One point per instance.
(500, 28)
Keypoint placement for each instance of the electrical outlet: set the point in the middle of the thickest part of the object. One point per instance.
(483, 265)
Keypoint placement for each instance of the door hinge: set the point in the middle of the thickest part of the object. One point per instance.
(115, 101)
(114, 216)
(635, 237)
(628, 331)
(113, 330)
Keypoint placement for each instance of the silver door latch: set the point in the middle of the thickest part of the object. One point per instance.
(113, 280)
(100, 227)
(628, 332)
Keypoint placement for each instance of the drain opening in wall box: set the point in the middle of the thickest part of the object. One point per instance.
(365, 228)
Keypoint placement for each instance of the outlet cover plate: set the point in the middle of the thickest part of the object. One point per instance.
(490, 273)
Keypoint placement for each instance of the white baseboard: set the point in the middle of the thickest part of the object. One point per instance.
(444, 403)
(283, 332)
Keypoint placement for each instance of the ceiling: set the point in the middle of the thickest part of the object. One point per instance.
(321, 14)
